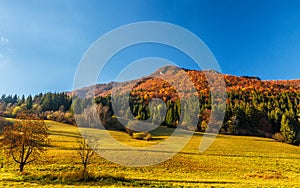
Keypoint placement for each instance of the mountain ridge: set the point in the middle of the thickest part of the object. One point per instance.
(197, 77)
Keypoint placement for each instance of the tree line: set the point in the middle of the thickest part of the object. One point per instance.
(247, 112)
(257, 111)
(53, 106)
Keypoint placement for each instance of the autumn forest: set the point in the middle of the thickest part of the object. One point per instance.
(253, 107)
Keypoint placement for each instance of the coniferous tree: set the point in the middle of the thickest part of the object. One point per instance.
(29, 102)
(287, 129)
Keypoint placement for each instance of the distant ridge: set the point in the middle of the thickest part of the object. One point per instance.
(151, 83)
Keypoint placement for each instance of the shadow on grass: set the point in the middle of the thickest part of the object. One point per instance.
(103, 180)
(65, 134)
(156, 139)
(265, 140)
(187, 181)
(253, 156)
(67, 178)
(162, 131)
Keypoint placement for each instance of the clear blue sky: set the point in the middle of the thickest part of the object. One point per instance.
(42, 42)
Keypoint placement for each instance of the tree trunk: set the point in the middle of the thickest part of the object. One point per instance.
(84, 173)
(21, 167)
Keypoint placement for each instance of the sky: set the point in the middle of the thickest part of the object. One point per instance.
(43, 42)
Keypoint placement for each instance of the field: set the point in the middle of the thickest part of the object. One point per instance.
(231, 161)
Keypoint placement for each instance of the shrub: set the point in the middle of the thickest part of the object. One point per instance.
(142, 136)
(279, 137)
(148, 137)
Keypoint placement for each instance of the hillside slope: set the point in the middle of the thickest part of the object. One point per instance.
(253, 106)
(231, 161)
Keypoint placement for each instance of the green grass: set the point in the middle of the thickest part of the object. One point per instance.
(231, 161)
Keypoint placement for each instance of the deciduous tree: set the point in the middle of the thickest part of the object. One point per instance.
(85, 149)
(25, 140)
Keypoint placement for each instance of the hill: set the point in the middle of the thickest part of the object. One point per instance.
(253, 106)
(232, 161)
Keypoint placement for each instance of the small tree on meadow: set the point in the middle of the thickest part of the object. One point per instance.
(85, 149)
(25, 140)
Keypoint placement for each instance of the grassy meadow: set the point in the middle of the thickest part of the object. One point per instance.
(231, 161)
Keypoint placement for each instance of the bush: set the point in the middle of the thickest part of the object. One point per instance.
(138, 130)
(140, 126)
(279, 137)
(59, 116)
(148, 137)
(142, 136)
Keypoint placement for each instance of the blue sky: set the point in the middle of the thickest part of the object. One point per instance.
(42, 42)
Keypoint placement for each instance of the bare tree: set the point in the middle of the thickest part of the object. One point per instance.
(85, 149)
(25, 140)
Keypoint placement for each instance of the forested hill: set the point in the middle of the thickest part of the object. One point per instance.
(253, 106)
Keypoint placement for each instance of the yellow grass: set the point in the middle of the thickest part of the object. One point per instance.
(231, 161)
